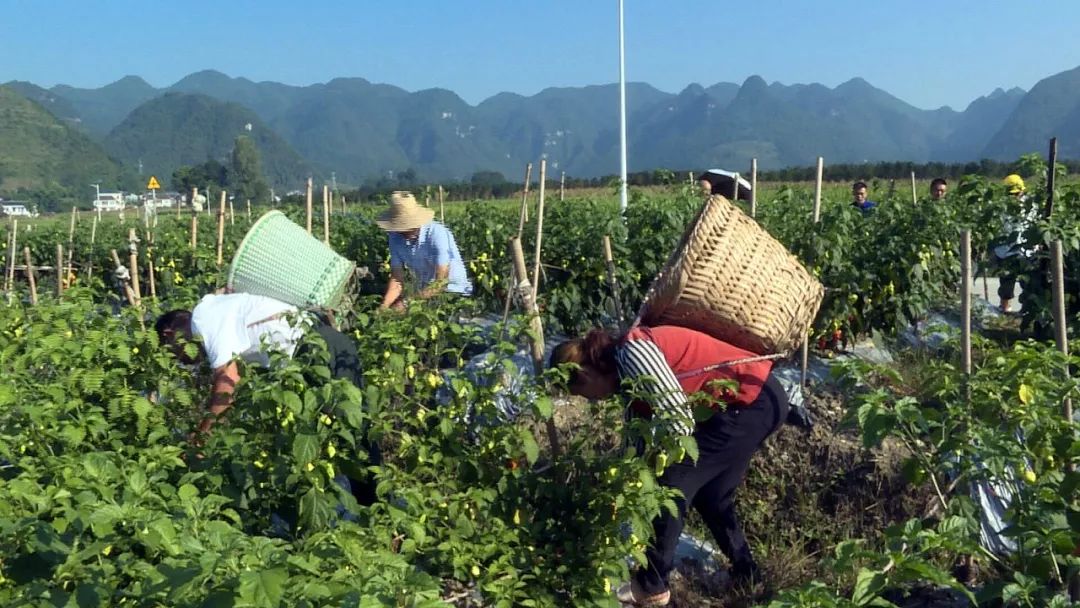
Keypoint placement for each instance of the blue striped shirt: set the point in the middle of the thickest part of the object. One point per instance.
(434, 247)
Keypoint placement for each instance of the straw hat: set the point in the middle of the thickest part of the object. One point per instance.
(404, 213)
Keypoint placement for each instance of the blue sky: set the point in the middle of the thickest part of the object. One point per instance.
(927, 53)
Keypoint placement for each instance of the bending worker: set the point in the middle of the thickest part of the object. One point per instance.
(673, 363)
(228, 327)
(423, 246)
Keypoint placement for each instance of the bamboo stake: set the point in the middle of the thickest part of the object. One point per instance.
(249, 209)
(536, 335)
(524, 217)
(613, 282)
(330, 198)
(442, 211)
(326, 214)
(220, 229)
(150, 268)
(133, 263)
(194, 230)
(1060, 325)
(344, 205)
(232, 215)
(914, 192)
(30, 276)
(308, 205)
(753, 187)
(735, 188)
(539, 230)
(965, 302)
(71, 242)
(127, 288)
(10, 279)
(562, 187)
(90, 257)
(194, 195)
(1051, 178)
(59, 270)
(817, 218)
(817, 189)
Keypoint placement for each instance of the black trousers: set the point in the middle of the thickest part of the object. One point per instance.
(726, 442)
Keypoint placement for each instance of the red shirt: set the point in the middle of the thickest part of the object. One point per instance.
(688, 352)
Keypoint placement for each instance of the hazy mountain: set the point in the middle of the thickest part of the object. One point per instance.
(58, 106)
(179, 129)
(39, 151)
(1051, 108)
(102, 109)
(363, 130)
(973, 128)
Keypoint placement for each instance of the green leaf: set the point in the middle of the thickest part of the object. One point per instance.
(528, 443)
(262, 589)
(867, 586)
(305, 447)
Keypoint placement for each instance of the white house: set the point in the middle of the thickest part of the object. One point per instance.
(14, 208)
(109, 201)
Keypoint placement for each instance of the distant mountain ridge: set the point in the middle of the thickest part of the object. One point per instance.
(362, 130)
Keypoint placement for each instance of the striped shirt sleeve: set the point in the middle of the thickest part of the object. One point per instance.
(641, 362)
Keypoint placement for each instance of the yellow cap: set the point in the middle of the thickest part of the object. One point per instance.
(1014, 183)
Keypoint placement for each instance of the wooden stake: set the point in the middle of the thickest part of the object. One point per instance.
(442, 211)
(308, 205)
(133, 263)
(524, 217)
(1060, 321)
(735, 188)
(613, 282)
(59, 270)
(817, 189)
(90, 257)
(220, 230)
(753, 187)
(914, 192)
(127, 288)
(817, 218)
(9, 282)
(249, 209)
(150, 272)
(344, 205)
(194, 195)
(562, 187)
(326, 214)
(1050, 179)
(30, 275)
(71, 242)
(539, 230)
(536, 335)
(194, 230)
(232, 215)
(965, 303)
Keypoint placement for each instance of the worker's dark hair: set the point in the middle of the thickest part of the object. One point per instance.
(595, 349)
(174, 331)
(938, 181)
(858, 185)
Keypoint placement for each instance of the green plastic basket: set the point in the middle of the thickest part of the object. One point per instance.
(279, 259)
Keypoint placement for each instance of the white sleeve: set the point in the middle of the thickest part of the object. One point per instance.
(642, 361)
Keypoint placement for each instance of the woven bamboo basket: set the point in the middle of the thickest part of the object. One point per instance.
(279, 259)
(732, 280)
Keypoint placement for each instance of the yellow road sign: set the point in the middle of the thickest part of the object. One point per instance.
(153, 184)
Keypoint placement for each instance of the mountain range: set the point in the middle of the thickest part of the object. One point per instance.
(361, 130)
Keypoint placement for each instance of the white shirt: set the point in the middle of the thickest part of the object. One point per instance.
(236, 324)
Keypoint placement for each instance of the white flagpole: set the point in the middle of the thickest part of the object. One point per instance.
(622, 113)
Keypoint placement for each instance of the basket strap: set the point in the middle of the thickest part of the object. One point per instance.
(716, 366)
